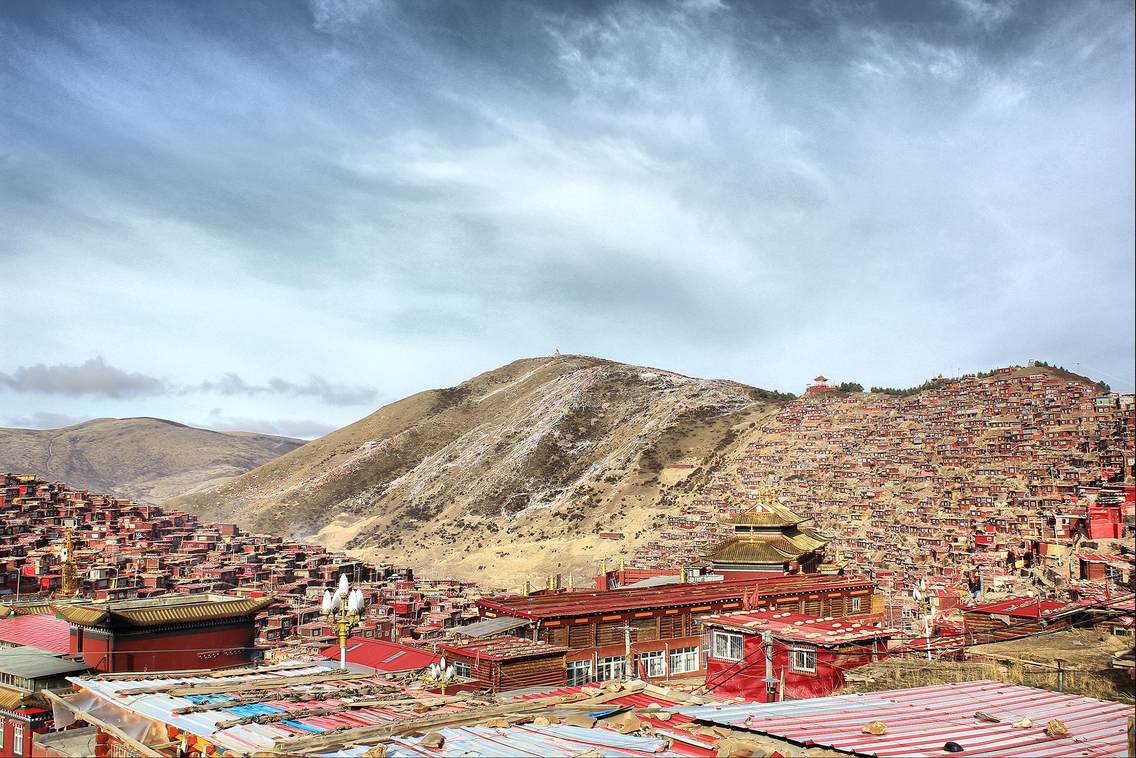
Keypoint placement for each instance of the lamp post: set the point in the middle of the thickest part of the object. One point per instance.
(440, 674)
(343, 610)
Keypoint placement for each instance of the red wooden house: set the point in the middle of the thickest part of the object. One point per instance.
(809, 655)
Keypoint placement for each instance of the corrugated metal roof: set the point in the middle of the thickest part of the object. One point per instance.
(32, 663)
(490, 627)
(799, 627)
(382, 656)
(42, 631)
(530, 740)
(922, 720)
(501, 648)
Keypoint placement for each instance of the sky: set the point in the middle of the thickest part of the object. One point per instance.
(277, 216)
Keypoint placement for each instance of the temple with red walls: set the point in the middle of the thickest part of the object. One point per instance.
(768, 538)
(809, 655)
(165, 633)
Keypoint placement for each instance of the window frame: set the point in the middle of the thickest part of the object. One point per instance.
(652, 661)
(573, 670)
(856, 604)
(18, 739)
(687, 654)
(463, 669)
(615, 664)
(729, 638)
(795, 664)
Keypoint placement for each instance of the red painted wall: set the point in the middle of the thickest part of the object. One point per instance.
(749, 683)
(8, 726)
(206, 647)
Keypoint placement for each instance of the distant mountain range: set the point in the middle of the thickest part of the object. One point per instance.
(142, 458)
(543, 466)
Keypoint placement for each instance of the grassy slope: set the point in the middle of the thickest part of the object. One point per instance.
(510, 475)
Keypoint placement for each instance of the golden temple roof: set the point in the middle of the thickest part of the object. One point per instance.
(769, 514)
(163, 610)
(13, 700)
(767, 549)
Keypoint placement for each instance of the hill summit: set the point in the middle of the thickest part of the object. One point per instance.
(517, 471)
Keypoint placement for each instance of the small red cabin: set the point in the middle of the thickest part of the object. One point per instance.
(809, 655)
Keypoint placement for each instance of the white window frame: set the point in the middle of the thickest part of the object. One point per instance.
(802, 659)
(683, 660)
(857, 604)
(464, 670)
(579, 672)
(612, 667)
(723, 644)
(3, 728)
(653, 663)
(18, 740)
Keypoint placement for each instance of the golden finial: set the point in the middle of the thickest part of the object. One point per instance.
(526, 590)
(67, 559)
(682, 574)
(571, 583)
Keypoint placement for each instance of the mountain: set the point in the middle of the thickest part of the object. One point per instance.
(142, 458)
(547, 465)
(516, 473)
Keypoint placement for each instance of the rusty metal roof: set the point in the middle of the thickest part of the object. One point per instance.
(569, 604)
(797, 627)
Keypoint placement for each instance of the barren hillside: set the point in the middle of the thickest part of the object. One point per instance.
(542, 466)
(142, 458)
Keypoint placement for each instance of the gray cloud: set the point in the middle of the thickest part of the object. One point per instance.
(416, 191)
(97, 378)
(332, 394)
(93, 377)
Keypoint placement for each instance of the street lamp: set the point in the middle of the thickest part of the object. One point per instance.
(343, 610)
(440, 674)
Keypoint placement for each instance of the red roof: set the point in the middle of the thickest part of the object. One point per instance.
(382, 656)
(1021, 607)
(922, 720)
(501, 648)
(569, 604)
(798, 627)
(44, 631)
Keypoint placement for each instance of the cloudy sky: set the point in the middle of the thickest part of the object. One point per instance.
(279, 215)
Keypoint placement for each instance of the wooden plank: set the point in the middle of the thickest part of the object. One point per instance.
(82, 715)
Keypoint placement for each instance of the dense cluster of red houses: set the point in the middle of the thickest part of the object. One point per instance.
(953, 489)
(126, 629)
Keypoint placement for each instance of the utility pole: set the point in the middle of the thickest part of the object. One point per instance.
(627, 665)
(770, 681)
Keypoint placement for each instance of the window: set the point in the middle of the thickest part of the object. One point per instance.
(651, 664)
(463, 670)
(2, 727)
(803, 659)
(612, 668)
(856, 604)
(727, 646)
(18, 740)
(579, 672)
(684, 660)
